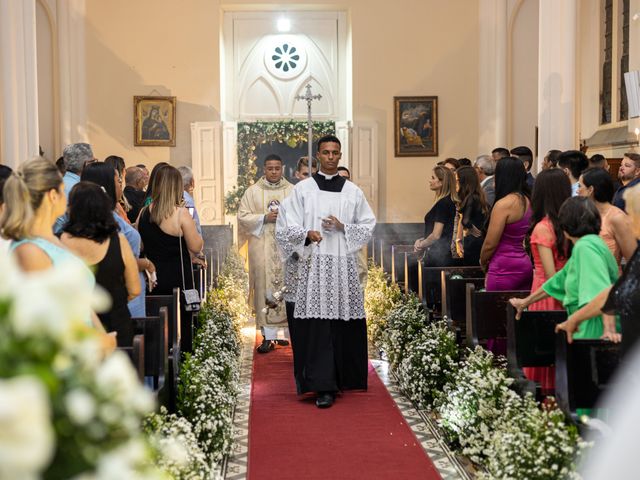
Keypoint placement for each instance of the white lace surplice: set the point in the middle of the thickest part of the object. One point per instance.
(328, 284)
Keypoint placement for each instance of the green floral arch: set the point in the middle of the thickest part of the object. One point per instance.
(252, 134)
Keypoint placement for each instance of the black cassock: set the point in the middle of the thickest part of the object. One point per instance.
(329, 355)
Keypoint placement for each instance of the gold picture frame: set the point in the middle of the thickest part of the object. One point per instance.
(416, 126)
(154, 121)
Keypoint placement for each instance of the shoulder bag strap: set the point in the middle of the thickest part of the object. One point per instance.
(193, 281)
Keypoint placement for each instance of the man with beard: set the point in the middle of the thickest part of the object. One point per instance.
(629, 175)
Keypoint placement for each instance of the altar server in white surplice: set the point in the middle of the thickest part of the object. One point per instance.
(257, 215)
(326, 222)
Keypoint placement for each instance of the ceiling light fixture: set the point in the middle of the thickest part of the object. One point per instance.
(284, 25)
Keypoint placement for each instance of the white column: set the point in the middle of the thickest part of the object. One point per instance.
(18, 81)
(70, 17)
(557, 76)
(492, 75)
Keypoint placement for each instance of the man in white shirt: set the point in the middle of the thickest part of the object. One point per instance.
(326, 222)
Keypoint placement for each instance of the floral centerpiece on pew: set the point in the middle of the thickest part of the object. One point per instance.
(66, 409)
(507, 436)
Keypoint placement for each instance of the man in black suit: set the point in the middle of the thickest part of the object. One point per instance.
(526, 155)
(134, 191)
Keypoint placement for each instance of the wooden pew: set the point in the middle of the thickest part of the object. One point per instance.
(454, 305)
(531, 342)
(156, 334)
(487, 314)
(136, 353)
(172, 302)
(432, 286)
(584, 370)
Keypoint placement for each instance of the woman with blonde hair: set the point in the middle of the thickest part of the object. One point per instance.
(438, 222)
(169, 232)
(33, 200)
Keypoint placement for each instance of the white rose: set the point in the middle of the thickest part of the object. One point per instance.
(80, 406)
(27, 439)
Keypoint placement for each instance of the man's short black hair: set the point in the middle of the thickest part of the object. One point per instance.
(525, 154)
(575, 161)
(344, 169)
(503, 152)
(329, 139)
(597, 161)
(600, 180)
(578, 216)
(272, 156)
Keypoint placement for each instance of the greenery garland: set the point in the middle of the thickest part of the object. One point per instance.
(252, 134)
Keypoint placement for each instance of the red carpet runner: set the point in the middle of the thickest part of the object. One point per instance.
(363, 436)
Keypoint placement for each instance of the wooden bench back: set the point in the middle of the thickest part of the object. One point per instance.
(487, 314)
(584, 370)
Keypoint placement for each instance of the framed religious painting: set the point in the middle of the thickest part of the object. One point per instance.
(416, 126)
(154, 121)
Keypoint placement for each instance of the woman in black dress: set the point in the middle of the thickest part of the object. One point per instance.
(163, 225)
(92, 234)
(473, 211)
(438, 222)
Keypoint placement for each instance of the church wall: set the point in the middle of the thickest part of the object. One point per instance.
(163, 47)
(150, 47)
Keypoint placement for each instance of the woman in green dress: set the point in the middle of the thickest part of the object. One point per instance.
(590, 269)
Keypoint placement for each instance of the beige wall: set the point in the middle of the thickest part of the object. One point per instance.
(399, 48)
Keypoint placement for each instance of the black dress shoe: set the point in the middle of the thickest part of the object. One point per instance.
(282, 343)
(266, 346)
(325, 399)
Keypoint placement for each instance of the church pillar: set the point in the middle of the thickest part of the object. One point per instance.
(18, 82)
(70, 18)
(492, 75)
(557, 76)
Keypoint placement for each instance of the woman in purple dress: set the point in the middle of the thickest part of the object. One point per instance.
(503, 254)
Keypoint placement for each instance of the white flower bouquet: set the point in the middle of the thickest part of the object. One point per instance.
(65, 410)
(404, 323)
(472, 404)
(380, 297)
(428, 364)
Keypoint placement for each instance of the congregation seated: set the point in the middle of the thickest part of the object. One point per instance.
(92, 234)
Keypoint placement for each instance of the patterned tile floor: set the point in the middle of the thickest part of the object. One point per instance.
(448, 464)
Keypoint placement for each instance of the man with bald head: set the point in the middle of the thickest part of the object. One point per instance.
(135, 181)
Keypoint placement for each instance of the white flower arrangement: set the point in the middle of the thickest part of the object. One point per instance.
(405, 322)
(82, 411)
(472, 404)
(532, 442)
(180, 454)
(209, 377)
(380, 297)
(428, 364)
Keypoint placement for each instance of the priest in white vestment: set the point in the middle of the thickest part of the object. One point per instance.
(326, 222)
(257, 215)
